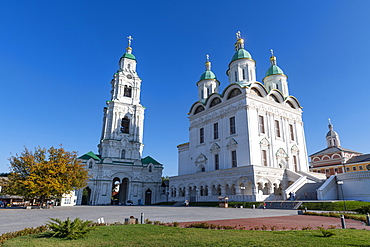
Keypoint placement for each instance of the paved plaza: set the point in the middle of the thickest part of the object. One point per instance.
(18, 219)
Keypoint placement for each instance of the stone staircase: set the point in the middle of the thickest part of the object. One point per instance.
(282, 205)
(178, 204)
(308, 191)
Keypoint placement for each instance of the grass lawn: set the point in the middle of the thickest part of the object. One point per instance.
(334, 206)
(154, 235)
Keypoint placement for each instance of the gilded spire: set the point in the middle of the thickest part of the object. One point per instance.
(208, 63)
(239, 41)
(129, 49)
(272, 58)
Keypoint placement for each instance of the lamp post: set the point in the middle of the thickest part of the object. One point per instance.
(243, 188)
(340, 183)
(167, 194)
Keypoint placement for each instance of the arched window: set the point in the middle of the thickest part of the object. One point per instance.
(274, 98)
(90, 164)
(125, 124)
(215, 101)
(123, 154)
(290, 104)
(256, 92)
(150, 168)
(234, 93)
(199, 109)
(127, 91)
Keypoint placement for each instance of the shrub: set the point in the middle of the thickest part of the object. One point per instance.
(307, 228)
(24, 232)
(69, 229)
(326, 233)
(363, 209)
(346, 216)
(273, 228)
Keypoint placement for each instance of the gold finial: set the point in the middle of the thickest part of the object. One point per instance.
(208, 63)
(239, 41)
(272, 58)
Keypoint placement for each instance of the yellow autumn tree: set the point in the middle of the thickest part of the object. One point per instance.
(45, 174)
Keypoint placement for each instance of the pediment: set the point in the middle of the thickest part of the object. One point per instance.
(215, 146)
(281, 153)
(295, 149)
(201, 159)
(232, 143)
(264, 142)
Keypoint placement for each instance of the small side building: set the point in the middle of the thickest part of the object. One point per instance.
(335, 159)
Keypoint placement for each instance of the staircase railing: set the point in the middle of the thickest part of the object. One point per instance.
(313, 177)
(325, 188)
(295, 186)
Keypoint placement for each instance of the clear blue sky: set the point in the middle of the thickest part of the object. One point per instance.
(57, 59)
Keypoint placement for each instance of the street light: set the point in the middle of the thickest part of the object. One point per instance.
(167, 194)
(341, 188)
(243, 188)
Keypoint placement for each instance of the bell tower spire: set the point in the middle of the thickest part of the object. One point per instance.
(122, 133)
(332, 137)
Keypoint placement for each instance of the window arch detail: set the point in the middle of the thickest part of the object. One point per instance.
(215, 101)
(199, 109)
(234, 93)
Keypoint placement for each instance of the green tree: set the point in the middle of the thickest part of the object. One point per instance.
(45, 174)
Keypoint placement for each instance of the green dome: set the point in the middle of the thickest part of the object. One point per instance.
(207, 75)
(274, 70)
(129, 56)
(241, 53)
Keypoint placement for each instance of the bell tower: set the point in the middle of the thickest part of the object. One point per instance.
(123, 120)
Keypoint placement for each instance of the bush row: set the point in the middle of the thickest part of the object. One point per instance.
(24, 232)
(346, 216)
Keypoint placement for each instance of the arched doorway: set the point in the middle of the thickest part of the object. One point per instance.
(86, 194)
(119, 191)
(115, 191)
(148, 197)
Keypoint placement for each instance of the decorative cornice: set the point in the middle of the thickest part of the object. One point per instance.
(274, 110)
(217, 114)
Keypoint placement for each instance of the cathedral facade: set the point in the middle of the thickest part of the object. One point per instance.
(246, 142)
(119, 173)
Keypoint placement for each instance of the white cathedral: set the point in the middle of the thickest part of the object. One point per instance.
(119, 173)
(247, 142)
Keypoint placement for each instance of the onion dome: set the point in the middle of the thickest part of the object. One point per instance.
(128, 53)
(239, 47)
(208, 74)
(274, 69)
(332, 137)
